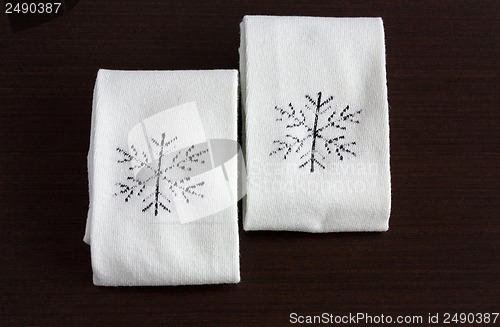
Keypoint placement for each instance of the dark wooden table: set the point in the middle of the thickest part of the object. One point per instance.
(442, 253)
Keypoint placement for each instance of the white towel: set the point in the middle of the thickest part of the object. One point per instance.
(317, 133)
(162, 199)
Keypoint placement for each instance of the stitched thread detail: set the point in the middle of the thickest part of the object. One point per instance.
(153, 189)
(302, 133)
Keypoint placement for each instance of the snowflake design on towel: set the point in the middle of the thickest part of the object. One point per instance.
(309, 139)
(156, 188)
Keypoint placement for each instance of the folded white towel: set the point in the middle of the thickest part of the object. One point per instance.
(162, 201)
(317, 133)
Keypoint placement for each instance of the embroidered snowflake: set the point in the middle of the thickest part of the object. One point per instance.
(312, 133)
(156, 190)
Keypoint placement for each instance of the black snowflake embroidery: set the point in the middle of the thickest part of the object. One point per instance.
(153, 189)
(325, 135)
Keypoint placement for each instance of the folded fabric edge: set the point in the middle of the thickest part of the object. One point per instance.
(243, 89)
(236, 280)
(90, 162)
(298, 17)
(387, 136)
(374, 229)
(237, 277)
(155, 71)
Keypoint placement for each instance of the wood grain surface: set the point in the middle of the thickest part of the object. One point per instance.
(442, 253)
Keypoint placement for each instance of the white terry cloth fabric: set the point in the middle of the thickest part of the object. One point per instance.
(317, 133)
(140, 226)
